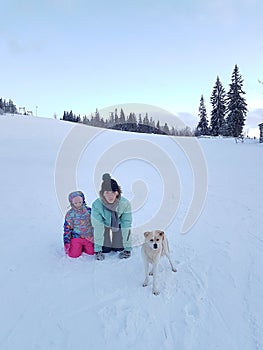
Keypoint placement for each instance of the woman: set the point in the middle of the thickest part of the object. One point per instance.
(111, 219)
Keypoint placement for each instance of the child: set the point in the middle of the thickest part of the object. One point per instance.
(78, 231)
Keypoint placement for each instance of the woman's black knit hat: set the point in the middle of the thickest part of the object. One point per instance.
(109, 184)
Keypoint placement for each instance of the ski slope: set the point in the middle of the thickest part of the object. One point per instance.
(49, 301)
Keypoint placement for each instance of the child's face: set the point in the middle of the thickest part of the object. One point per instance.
(77, 202)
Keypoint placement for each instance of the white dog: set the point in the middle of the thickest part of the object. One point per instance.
(153, 248)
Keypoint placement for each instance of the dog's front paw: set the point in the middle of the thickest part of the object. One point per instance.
(156, 292)
(145, 284)
(151, 273)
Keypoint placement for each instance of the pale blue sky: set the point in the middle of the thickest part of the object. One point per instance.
(81, 54)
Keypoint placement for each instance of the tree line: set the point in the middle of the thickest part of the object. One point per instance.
(7, 107)
(228, 113)
(119, 121)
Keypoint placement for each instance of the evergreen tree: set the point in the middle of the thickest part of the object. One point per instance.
(146, 120)
(202, 127)
(132, 118)
(185, 132)
(152, 122)
(116, 117)
(12, 107)
(132, 122)
(111, 121)
(65, 115)
(122, 117)
(172, 131)
(96, 120)
(236, 105)
(217, 123)
(71, 116)
(1, 106)
(7, 107)
(166, 129)
(102, 122)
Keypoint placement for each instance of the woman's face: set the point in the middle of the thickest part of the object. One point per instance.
(110, 196)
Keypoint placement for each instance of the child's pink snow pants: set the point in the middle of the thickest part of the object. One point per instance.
(79, 245)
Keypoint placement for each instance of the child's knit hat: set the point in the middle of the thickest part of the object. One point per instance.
(76, 194)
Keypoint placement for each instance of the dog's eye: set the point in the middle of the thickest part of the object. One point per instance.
(151, 240)
(157, 240)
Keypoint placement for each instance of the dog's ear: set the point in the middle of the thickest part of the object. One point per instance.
(161, 233)
(146, 233)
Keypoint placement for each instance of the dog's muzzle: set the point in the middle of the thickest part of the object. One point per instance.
(155, 246)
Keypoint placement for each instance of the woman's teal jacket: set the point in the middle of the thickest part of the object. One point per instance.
(101, 218)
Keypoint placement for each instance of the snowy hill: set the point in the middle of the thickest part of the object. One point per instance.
(49, 301)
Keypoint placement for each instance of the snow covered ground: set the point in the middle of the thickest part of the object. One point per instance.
(49, 301)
